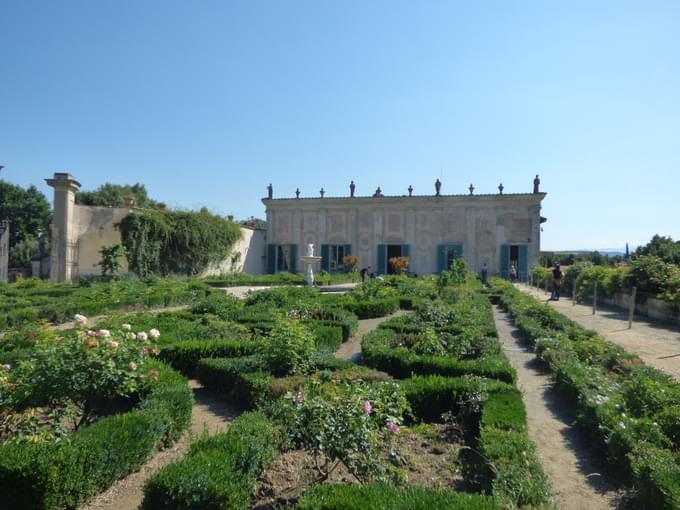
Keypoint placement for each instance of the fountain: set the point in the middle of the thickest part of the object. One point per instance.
(310, 259)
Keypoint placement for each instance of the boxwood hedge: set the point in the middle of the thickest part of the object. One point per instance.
(66, 473)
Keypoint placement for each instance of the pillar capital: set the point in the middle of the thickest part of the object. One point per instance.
(63, 182)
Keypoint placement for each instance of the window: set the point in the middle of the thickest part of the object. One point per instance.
(446, 254)
(332, 255)
(283, 258)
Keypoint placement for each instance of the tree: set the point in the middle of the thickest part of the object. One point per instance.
(110, 264)
(27, 209)
(115, 195)
(254, 223)
(399, 264)
(663, 247)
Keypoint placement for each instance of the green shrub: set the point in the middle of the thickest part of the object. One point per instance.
(289, 348)
(184, 356)
(242, 379)
(378, 496)
(374, 308)
(219, 471)
(66, 473)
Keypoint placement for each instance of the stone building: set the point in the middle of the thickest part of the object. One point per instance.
(79, 232)
(432, 230)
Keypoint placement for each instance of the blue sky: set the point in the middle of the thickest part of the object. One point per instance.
(207, 102)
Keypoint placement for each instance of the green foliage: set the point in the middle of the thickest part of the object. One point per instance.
(220, 471)
(289, 348)
(184, 356)
(373, 308)
(115, 195)
(345, 423)
(662, 247)
(630, 410)
(109, 262)
(176, 242)
(66, 473)
(380, 496)
(27, 210)
(21, 254)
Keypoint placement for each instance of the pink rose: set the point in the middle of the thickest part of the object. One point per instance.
(392, 427)
(367, 408)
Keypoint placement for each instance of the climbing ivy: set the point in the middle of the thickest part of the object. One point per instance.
(176, 242)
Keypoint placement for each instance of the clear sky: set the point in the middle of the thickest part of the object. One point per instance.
(207, 102)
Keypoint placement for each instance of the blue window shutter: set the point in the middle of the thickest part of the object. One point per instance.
(271, 258)
(382, 259)
(505, 260)
(293, 258)
(406, 252)
(523, 262)
(348, 249)
(325, 257)
(441, 258)
(458, 250)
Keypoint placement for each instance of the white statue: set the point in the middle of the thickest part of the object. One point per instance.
(310, 250)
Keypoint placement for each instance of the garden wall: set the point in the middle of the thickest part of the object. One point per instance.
(652, 307)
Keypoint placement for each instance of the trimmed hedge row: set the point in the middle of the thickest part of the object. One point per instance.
(242, 379)
(631, 411)
(65, 474)
(503, 461)
(219, 471)
(377, 353)
(373, 308)
(184, 356)
(379, 496)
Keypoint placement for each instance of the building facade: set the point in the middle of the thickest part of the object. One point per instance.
(500, 230)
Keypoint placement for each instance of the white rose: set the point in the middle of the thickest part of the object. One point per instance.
(104, 333)
(80, 319)
(130, 336)
(126, 327)
(142, 336)
(113, 344)
(154, 333)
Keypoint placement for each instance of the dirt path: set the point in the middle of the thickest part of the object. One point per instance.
(351, 349)
(566, 458)
(657, 344)
(208, 413)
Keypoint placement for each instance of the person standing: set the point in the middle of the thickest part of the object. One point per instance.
(485, 273)
(557, 282)
(363, 274)
(513, 272)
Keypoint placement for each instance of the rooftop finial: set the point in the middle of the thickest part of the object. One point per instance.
(297, 193)
(500, 188)
(472, 189)
(438, 187)
(270, 191)
(537, 184)
(322, 192)
(352, 188)
(410, 190)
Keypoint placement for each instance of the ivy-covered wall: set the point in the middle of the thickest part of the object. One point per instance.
(176, 242)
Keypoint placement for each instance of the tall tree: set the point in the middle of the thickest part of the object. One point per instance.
(27, 209)
(114, 195)
(663, 247)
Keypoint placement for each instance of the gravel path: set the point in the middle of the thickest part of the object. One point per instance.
(657, 344)
(208, 413)
(351, 349)
(564, 453)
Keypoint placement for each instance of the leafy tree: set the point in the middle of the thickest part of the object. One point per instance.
(254, 223)
(663, 247)
(110, 264)
(114, 195)
(27, 209)
(21, 254)
(399, 264)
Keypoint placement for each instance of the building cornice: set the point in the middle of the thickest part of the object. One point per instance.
(496, 198)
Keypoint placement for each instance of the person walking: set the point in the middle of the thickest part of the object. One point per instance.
(557, 275)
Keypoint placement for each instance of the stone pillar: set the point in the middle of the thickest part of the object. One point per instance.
(4, 250)
(64, 245)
